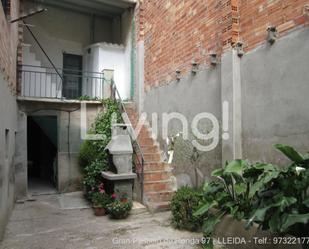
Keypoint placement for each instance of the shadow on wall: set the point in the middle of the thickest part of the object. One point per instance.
(190, 166)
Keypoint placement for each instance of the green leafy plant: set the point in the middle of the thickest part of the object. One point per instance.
(274, 197)
(92, 150)
(118, 209)
(183, 204)
(93, 158)
(227, 194)
(283, 206)
(92, 177)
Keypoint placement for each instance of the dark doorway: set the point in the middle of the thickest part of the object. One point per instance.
(72, 75)
(42, 154)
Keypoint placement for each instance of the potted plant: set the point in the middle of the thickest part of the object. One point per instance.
(119, 209)
(100, 200)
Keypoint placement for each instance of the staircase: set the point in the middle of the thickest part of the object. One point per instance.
(158, 181)
(37, 81)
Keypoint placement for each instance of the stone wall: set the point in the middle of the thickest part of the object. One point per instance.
(275, 105)
(267, 104)
(9, 40)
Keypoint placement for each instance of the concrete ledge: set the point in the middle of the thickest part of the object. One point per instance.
(118, 177)
(62, 101)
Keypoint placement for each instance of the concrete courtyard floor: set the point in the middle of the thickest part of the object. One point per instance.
(45, 224)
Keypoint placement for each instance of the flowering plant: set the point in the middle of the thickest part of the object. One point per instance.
(118, 209)
(100, 198)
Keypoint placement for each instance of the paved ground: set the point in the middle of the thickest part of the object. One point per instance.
(43, 224)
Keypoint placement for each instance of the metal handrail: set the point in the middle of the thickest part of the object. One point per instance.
(35, 84)
(142, 163)
(63, 74)
(60, 69)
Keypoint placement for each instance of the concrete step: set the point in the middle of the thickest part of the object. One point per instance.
(144, 133)
(151, 157)
(155, 207)
(161, 196)
(162, 185)
(149, 149)
(152, 166)
(157, 175)
(145, 141)
(138, 208)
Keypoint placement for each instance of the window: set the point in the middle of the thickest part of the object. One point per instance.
(6, 6)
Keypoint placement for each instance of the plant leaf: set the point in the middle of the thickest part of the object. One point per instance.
(265, 178)
(240, 188)
(275, 222)
(306, 202)
(291, 219)
(236, 166)
(283, 202)
(210, 223)
(206, 187)
(259, 214)
(205, 208)
(265, 166)
(290, 152)
(217, 172)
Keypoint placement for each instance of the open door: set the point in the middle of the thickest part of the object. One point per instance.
(42, 154)
(72, 76)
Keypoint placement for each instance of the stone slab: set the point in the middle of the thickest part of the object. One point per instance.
(118, 177)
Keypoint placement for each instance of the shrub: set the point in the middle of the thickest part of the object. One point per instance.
(93, 158)
(92, 177)
(183, 204)
(93, 150)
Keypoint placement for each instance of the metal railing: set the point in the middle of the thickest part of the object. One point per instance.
(49, 82)
(138, 155)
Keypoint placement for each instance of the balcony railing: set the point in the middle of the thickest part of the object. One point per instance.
(47, 82)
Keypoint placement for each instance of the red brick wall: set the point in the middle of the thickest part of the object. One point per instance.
(177, 31)
(256, 16)
(9, 41)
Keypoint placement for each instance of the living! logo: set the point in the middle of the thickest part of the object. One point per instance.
(199, 140)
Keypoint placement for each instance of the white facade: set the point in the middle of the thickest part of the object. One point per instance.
(104, 56)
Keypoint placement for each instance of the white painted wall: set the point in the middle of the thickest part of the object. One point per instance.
(126, 27)
(60, 31)
(103, 56)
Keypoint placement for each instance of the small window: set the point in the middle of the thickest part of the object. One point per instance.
(7, 143)
(6, 6)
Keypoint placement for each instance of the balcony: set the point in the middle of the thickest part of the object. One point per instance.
(70, 84)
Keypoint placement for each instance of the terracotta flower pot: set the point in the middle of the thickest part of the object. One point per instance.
(124, 200)
(99, 211)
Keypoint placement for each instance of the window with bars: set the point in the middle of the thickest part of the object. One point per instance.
(6, 6)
